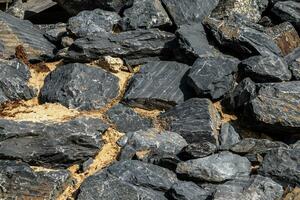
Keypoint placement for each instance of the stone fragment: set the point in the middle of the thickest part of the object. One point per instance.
(228, 137)
(198, 150)
(111, 64)
(187, 191)
(293, 61)
(56, 33)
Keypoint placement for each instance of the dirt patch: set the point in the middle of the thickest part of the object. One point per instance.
(293, 195)
(225, 116)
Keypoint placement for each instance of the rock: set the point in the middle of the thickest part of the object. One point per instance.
(15, 32)
(189, 11)
(66, 41)
(215, 168)
(130, 44)
(17, 9)
(126, 120)
(187, 191)
(56, 33)
(19, 181)
(96, 22)
(145, 144)
(111, 64)
(213, 76)
(228, 137)
(145, 14)
(270, 68)
(282, 165)
(251, 10)
(158, 85)
(45, 145)
(195, 119)
(296, 145)
(293, 60)
(14, 77)
(198, 150)
(80, 86)
(295, 68)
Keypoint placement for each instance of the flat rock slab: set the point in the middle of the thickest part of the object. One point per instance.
(53, 145)
(15, 32)
(198, 150)
(215, 168)
(80, 86)
(19, 181)
(158, 85)
(195, 119)
(14, 77)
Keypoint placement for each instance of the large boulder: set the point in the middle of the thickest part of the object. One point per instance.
(80, 86)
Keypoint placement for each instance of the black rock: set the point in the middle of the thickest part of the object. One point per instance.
(198, 150)
(228, 137)
(14, 77)
(55, 144)
(55, 33)
(15, 32)
(187, 191)
(195, 119)
(213, 76)
(80, 86)
(145, 14)
(269, 68)
(158, 85)
(97, 22)
(126, 120)
(215, 168)
(19, 181)
(293, 60)
(189, 11)
(282, 165)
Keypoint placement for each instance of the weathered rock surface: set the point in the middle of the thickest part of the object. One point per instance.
(19, 181)
(54, 34)
(195, 119)
(96, 22)
(80, 86)
(228, 137)
(198, 150)
(215, 168)
(282, 165)
(158, 85)
(15, 32)
(187, 191)
(213, 76)
(293, 60)
(55, 144)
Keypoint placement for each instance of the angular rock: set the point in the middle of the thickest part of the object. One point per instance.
(80, 86)
(215, 168)
(213, 76)
(189, 11)
(187, 191)
(228, 137)
(15, 32)
(270, 68)
(54, 144)
(293, 60)
(14, 77)
(158, 85)
(56, 33)
(126, 120)
(198, 150)
(195, 119)
(19, 181)
(145, 14)
(282, 165)
(96, 22)
(296, 145)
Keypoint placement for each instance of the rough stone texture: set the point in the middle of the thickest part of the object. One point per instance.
(189, 11)
(187, 191)
(145, 14)
(126, 120)
(213, 76)
(14, 76)
(296, 145)
(158, 85)
(228, 137)
(293, 60)
(55, 33)
(282, 165)
(195, 119)
(15, 32)
(19, 181)
(215, 168)
(80, 86)
(97, 22)
(130, 44)
(55, 144)
(270, 68)
(198, 150)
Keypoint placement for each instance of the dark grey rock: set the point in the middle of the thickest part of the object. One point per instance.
(213, 76)
(189, 11)
(56, 33)
(96, 22)
(54, 144)
(145, 14)
(80, 86)
(295, 69)
(198, 150)
(14, 77)
(282, 165)
(19, 181)
(228, 136)
(158, 85)
(195, 119)
(14, 32)
(215, 168)
(293, 60)
(296, 145)
(269, 68)
(126, 120)
(187, 191)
